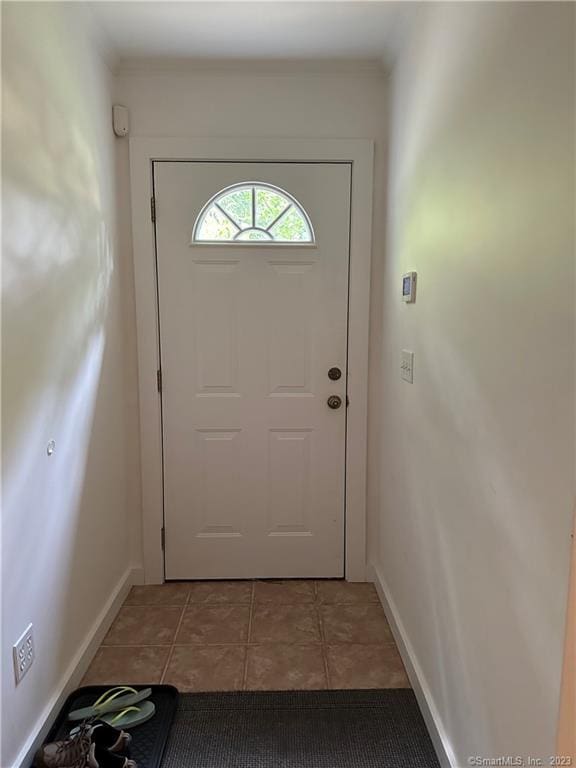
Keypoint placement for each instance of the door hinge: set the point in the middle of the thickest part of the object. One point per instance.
(163, 537)
(153, 208)
(347, 401)
(159, 380)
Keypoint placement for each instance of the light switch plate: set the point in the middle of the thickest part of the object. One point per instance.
(407, 366)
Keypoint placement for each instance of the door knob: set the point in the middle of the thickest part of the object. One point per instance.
(334, 373)
(334, 402)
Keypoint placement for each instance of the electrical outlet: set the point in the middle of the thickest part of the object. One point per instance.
(23, 653)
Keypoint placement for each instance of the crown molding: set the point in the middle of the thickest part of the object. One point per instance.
(262, 67)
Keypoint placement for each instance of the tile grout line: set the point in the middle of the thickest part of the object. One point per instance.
(245, 671)
(173, 645)
(322, 637)
(268, 603)
(383, 643)
(168, 660)
(323, 646)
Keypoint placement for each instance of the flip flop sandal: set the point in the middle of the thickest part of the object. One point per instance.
(111, 701)
(131, 716)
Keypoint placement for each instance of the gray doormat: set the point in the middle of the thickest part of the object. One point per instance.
(303, 729)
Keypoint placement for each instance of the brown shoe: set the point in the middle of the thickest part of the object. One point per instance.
(79, 752)
(102, 758)
(104, 735)
(73, 752)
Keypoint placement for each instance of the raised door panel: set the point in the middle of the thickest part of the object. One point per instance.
(290, 328)
(215, 328)
(289, 471)
(216, 502)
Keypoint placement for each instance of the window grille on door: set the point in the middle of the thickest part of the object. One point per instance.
(255, 212)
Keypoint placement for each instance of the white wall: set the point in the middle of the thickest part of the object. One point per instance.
(268, 101)
(64, 352)
(477, 461)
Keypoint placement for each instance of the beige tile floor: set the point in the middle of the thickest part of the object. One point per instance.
(244, 635)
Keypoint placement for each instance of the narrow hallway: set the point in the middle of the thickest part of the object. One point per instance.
(243, 635)
(288, 296)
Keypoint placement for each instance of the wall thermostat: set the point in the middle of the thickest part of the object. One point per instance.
(409, 287)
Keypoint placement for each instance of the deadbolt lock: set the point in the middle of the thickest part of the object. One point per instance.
(334, 402)
(334, 374)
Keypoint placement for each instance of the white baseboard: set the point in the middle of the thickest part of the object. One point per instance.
(419, 684)
(76, 669)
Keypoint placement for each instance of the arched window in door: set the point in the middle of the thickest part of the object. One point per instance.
(255, 212)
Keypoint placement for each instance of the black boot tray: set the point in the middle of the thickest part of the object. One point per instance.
(148, 740)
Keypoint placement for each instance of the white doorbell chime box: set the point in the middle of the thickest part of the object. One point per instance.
(120, 120)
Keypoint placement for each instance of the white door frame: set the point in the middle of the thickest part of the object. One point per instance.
(358, 152)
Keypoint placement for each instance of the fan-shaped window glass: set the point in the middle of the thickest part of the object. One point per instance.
(256, 212)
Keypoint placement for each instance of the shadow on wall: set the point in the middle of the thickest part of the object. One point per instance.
(62, 535)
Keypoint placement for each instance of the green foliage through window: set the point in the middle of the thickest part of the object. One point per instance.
(255, 212)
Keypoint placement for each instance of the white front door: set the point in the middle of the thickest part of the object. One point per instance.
(253, 288)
